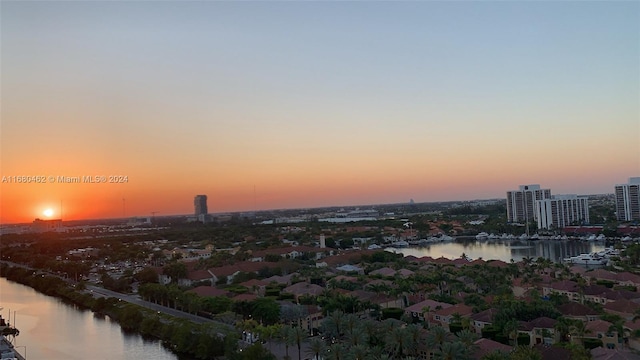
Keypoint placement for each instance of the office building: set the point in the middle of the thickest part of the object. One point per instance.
(628, 200)
(200, 205)
(521, 203)
(561, 211)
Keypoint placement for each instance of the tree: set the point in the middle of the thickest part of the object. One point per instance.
(453, 350)
(437, 336)
(286, 338)
(336, 351)
(496, 355)
(175, 270)
(525, 353)
(146, 276)
(257, 352)
(298, 335)
(265, 310)
(511, 330)
(333, 325)
(316, 347)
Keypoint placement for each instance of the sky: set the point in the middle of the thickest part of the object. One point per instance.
(278, 104)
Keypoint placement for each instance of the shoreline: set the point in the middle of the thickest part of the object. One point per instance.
(132, 318)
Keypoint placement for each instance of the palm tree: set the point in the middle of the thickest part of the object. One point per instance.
(511, 330)
(453, 350)
(399, 343)
(456, 318)
(437, 336)
(298, 335)
(360, 352)
(336, 352)
(356, 337)
(285, 336)
(427, 310)
(316, 347)
(333, 325)
(467, 337)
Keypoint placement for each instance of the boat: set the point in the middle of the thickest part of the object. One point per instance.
(482, 236)
(7, 349)
(374, 247)
(588, 259)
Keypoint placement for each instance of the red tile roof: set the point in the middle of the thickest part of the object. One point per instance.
(487, 346)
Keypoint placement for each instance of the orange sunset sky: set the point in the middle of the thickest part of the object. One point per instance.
(291, 105)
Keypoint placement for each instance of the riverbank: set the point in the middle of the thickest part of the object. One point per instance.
(183, 337)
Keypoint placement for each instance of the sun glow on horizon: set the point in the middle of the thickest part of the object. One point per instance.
(48, 213)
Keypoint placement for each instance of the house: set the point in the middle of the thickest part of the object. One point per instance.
(564, 287)
(487, 346)
(596, 293)
(303, 289)
(445, 316)
(290, 252)
(255, 286)
(548, 352)
(230, 271)
(577, 311)
(385, 272)
(482, 319)
(277, 279)
(625, 308)
(163, 278)
(197, 276)
(600, 329)
(542, 331)
(382, 300)
(404, 273)
(520, 287)
(424, 310)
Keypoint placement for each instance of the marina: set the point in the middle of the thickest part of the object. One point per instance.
(503, 249)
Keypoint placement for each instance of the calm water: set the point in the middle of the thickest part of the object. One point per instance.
(504, 250)
(53, 330)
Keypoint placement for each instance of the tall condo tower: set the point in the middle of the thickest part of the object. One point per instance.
(200, 205)
(561, 211)
(628, 200)
(521, 202)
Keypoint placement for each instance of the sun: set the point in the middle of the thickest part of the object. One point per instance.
(48, 213)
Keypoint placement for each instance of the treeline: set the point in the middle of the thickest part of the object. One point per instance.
(200, 341)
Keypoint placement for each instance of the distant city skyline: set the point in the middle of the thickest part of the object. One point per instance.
(276, 105)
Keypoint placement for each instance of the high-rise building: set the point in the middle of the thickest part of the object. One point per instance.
(628, 200)
(200, 205)
(521, 203)
(561, 211)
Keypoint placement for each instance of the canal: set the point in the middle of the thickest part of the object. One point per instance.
(53, 330)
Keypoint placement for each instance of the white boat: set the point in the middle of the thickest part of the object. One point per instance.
(608, 252)
(482, 236)
(374, 247)
(601, 237)
(587, 259)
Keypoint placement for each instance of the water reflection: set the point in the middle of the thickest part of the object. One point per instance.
(53, 330)
(505, 250)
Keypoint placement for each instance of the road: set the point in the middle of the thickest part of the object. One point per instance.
(135, 299)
